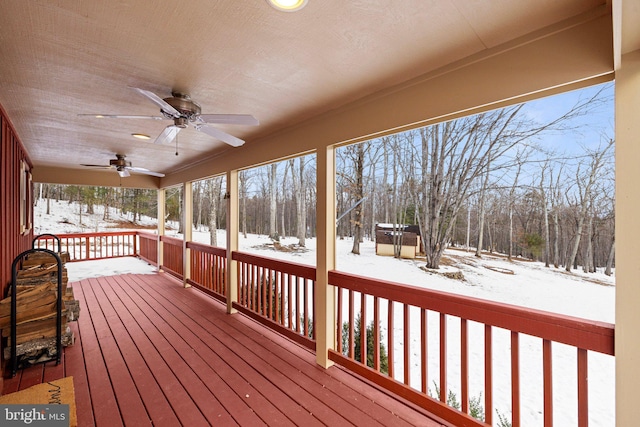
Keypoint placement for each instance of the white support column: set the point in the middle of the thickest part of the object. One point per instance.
(162, 195)
(325, 295)
(233, 220)
(187, 221)
(627, 337)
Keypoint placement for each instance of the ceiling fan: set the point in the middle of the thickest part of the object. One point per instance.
(123, 167)
(183, 111)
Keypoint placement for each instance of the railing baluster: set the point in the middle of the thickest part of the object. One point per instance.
(443, 358)
(376, 334)
(351, 326)
(390, 340)
(548, 383)
(515, 380)
(424, 358)
(270, 293)
(464, 365)
(297, 304)
(289, 308)
(488, 375)
(306, 307)
(407, 344)
(363, 328)
(583, 389)
(339, 321)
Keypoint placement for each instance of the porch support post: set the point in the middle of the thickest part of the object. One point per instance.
(325, 321)
(162, 194)
(233, 220)
(627, 344)
(187, 221)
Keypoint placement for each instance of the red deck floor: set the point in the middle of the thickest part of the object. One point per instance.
(149, 352)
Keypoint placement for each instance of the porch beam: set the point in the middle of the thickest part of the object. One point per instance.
(233, 220)
(325, 294)
(102, 178)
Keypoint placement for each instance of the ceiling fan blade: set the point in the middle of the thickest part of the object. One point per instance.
(222, 136)
(158, 101)
(124, 173)
(97, 166)
(167, 135)
(229, 119)
(119, 116)
(145, 171)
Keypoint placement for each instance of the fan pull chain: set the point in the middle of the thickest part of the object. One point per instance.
(176, 144)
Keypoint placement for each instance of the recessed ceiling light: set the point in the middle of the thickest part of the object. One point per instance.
(140, 136)
(288, 5)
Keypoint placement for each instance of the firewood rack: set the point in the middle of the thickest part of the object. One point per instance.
(14, 327)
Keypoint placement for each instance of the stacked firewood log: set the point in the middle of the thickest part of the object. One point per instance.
(36, 303)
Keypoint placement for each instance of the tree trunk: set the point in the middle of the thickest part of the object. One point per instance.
(612, 251)
(243, 207)
(556, 239)
(359, 194)
(273, 202)
(213, 211)
(481, 214)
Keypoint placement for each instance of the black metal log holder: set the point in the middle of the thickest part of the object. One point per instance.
(35, 239)
(14, 328)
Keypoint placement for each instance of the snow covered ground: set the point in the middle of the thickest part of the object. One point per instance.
(589, 296)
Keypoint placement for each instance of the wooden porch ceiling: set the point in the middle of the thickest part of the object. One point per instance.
(63, 58)
(151, 352)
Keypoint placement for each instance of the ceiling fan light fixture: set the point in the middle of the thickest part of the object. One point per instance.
(140, 136)
(288, 5)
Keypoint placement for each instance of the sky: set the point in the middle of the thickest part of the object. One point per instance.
(595, 126)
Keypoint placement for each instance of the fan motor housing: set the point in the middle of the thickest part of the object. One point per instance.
(184, 105)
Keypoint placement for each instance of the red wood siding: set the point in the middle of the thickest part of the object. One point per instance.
(12, 240)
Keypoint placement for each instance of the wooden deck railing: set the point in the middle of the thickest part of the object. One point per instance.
(279, 294)
(407, 312)
(417, 327)
(148, 247)
(172, 251)
(93, 246)
(209, 269)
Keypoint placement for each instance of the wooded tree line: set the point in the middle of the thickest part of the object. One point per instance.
(134, 202)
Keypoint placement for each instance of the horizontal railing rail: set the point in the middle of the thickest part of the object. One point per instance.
(409, 313)
(209, 269)
(279, 294)
(93, 246)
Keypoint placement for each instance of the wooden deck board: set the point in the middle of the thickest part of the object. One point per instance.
(149, 351)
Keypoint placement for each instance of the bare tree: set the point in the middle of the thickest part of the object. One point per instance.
(585, 183)
(299, 198)
(358, 195)
(273, 201)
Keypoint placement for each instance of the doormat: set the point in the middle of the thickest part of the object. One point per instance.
(51, 393)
